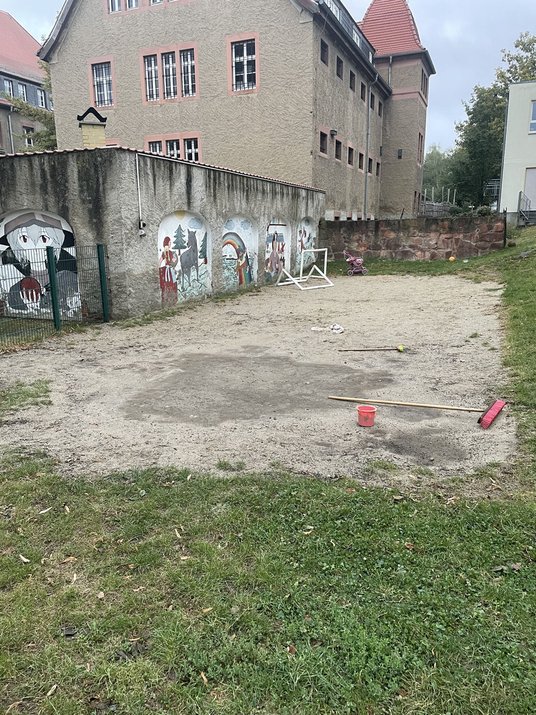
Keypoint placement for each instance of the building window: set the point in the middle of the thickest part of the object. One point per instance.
(420, 149)
(338, 150)
(155, 147)
(350, 156)
(340, 68)
(152, 92)
(361, 160)
(378, 168)
(191, 149)
(132, 4)
(380, 109)
(188, 73)
(372, 100)
(169, 75)
(8, 87)
(244, 65)
(173, 148)
(370, 165)
(324, 52)
(114, 5)
(532, 126)
(28, 136)
(363, 91)
(352, 81)
(41, 99)
(22, 92)
(156, 2)
(323, 143)
(424, 83)
(102, 84)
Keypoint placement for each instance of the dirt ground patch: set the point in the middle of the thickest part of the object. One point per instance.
(246, 380)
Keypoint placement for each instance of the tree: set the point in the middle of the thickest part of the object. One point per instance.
(44, 139)
(436, 172)
(180, 243)
(203, 250)
(478, 156)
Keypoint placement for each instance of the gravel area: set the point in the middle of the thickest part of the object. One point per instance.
(247, 380)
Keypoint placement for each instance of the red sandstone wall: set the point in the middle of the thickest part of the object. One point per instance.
(422, 239)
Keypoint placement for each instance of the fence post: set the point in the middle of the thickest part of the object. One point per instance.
(53, 283)
(103, 283)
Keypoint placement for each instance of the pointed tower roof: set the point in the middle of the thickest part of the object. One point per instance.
(390, 26)
(18, 49)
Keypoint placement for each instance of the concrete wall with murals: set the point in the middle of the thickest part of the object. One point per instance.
(174, 231)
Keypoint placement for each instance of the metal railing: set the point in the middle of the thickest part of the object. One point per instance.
(45, 289)
(524, 206)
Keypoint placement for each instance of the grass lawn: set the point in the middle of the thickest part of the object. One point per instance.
(167, 592)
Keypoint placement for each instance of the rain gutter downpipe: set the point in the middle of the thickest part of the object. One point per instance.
(367, 151)
(10, 130)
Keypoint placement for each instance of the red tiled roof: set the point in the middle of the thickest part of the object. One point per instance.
(389, 25)
(18, 49)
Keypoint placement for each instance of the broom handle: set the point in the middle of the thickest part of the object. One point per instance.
(367, 350)
(406, 404)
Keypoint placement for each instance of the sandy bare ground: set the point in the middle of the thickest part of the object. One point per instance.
(247, 380)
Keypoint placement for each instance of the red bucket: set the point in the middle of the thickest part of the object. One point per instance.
(366, 415)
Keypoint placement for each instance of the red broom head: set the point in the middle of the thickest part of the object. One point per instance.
(491, 414)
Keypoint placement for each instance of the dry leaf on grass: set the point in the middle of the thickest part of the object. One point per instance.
(24, 559)
(204, 678)
(52, 691)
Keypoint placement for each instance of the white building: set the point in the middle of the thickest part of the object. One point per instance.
(518, 182)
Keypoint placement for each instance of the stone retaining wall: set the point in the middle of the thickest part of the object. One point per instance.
(422, 239)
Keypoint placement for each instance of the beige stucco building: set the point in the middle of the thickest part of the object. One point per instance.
(290, 89)
(518, 181)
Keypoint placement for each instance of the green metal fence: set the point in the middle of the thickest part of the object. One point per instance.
(44, 290)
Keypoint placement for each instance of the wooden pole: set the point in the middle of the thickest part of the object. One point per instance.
(406, 404)
(370, 350)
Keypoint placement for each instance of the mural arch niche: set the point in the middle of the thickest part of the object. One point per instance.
(239, 254)
(277, 250)
(306, 239)
(184, 252)
(24, 279)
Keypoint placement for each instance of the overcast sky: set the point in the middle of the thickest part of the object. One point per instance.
(464, 38)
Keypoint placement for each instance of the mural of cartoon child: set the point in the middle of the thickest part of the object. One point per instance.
(24, 280)
(168, 275)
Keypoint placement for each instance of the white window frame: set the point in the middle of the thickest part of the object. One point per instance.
(191, 149)
(41, 98)
(8, 87)
(132, 4)
(114, 6)
(335, 9)
(155, 147)
(173, 148)
(103, 84)
(188, 80)
(243, 58)
(28, 136)
(156, 2)
(22, 91)
(152, 84)
(169, 74)
(532, 124)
